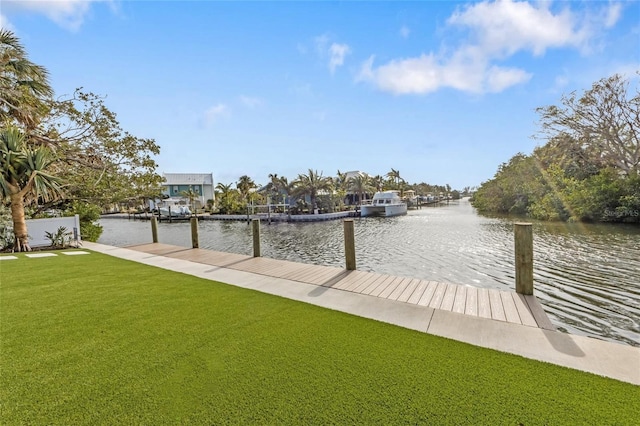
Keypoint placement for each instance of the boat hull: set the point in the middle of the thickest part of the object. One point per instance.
(384, 211)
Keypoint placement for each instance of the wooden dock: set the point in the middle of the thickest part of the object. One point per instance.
(500, 305)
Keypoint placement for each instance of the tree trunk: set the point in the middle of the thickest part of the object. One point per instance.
(19, 223)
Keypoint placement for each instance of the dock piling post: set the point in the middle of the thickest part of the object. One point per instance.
(256, 237)
(523, 233)
(194, 232)
(349, 245)
(154, 229)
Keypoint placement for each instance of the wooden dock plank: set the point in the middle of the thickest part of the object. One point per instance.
(497, 311)
(348, 278)
(366, 282)
(158, 249)
(538, 313)
(485, 303)
(402, 286)
(257, 265)
(523, 310)
(428, 294)
(224, 260)
(484, 306)
(471, 307)
(408, 291)
(436, 300)
(392, 285)
(449, 297)
(333, 278)
(317, 275)
(349, 281)
(311, 272)
(294, 273)
(418, 292)
(378, 286)
(510, 310)
(460, 300)
(336, 276)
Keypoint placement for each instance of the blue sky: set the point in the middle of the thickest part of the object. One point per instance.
(443, 91)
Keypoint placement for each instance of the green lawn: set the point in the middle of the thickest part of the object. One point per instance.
(97, 340)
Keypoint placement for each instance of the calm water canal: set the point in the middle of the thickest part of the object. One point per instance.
(587, 277)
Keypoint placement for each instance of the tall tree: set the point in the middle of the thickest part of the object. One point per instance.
(394, 176)
(360, 184)
(24, 86)
(341, 187)
(245, 184)
(377, 182)
(227, 199)
(190, 195)
(604, 120)
(311, 184)
(24, 179)
(99, 161)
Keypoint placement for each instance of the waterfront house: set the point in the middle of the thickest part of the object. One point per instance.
(176, 184)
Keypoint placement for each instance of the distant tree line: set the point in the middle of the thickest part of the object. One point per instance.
(589, 168)
(312, 190)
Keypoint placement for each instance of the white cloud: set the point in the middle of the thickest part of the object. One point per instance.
(337, 52)
(613, 13)
(405, 31)
(495, 30)
(426, 74)
(504, 27)
(212, 114)
(69, 14)
(250, 102)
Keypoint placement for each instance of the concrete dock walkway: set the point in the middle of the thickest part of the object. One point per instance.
(393, 300)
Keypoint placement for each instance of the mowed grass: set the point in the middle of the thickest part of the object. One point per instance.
(98, 340)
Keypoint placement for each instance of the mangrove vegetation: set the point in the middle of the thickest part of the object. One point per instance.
(588, 170)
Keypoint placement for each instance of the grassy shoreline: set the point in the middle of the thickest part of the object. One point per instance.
(93, 340)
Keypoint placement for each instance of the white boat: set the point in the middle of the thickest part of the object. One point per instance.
(385, 203)
(175, 211)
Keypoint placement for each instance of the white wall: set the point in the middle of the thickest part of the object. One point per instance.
(37, 228)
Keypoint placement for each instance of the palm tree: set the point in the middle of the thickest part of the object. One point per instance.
(360, 183)
(312, 183)
(191, 195)
(274, 187)
(225, 200)
(24, 86)
(341, 186)
(24, 179)
(377, 182)
(394, 176)
(245, 184)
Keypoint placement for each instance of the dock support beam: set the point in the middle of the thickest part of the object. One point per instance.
(154, 229)
(194, 232)
(523, 233)
(349, 245)
(256, 237)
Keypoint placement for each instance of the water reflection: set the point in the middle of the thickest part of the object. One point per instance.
(586, 276)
